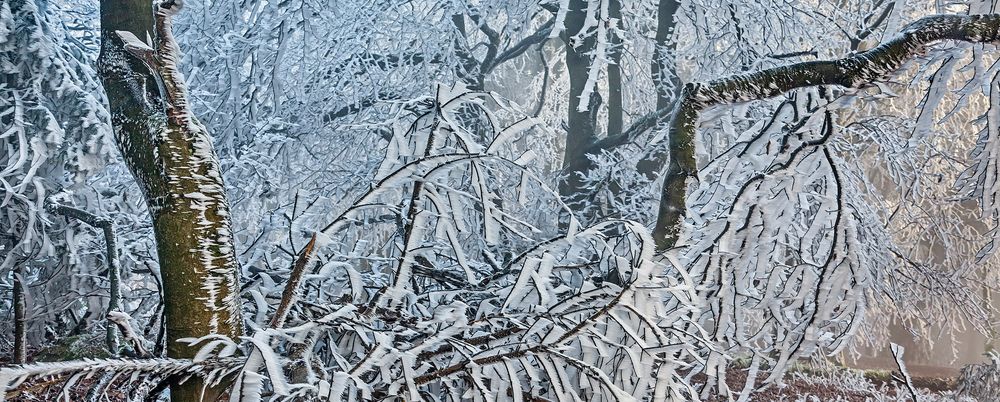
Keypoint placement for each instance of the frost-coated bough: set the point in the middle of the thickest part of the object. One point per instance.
(785, 231)
(904, 374)
(981, 381)
(856, 71)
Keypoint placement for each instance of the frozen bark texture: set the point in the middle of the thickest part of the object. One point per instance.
(171, 156)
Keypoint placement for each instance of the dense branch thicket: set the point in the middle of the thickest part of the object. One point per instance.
(563, 220)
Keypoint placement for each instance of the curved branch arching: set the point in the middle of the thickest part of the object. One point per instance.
(854, 71)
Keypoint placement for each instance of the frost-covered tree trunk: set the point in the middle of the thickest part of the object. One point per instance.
(581, 121)
(589, 50)
(662, 67)
(616, 108)
(171, 156)
(20, 334)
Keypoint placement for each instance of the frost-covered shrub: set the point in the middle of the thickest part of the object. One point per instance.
(54, 133)
(981, 381)
(445, 281)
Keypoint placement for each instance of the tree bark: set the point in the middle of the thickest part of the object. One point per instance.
(20, 333)
(854, 71)
(616, 101)
(111, 254)
(581, 125)
(171, 156)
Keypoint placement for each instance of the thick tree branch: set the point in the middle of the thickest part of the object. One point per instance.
(291, 291)
(111, 254)
(541, 35)
(854, 71)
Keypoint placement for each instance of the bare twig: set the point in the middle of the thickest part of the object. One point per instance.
(897, 354)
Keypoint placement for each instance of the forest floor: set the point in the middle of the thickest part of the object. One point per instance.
(871, 385)
(801, 383)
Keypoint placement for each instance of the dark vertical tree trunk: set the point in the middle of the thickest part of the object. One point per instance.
(664, 76)
(171, 156)
(581, 125)
(616, 107)
(582, 136)
(20, 333)
(680, 146)
(665, 80)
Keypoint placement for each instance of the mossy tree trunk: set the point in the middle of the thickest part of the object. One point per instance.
(171, 156)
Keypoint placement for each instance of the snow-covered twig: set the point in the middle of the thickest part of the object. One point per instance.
(897, 355)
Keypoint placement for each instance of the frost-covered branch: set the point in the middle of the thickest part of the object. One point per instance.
(437, 301)
(854, 71)
(152, 371)
(107, 227)
(290, 294)
(897, 355)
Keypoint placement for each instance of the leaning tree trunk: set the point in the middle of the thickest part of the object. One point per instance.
(171, 156)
